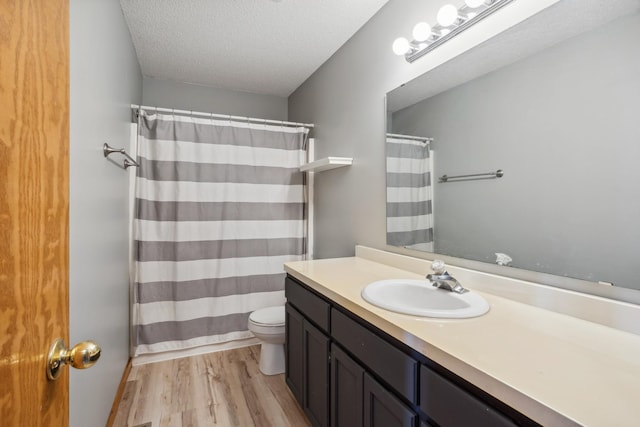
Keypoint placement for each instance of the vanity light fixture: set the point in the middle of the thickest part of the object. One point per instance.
(451, 22)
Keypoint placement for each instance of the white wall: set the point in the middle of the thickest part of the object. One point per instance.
(345, 100)
(185, 96)
(105, 79)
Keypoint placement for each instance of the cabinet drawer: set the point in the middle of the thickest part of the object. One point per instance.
(313, 307)
(449, 405)
(393, 366)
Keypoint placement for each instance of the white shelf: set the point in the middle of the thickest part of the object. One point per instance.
(326, 164)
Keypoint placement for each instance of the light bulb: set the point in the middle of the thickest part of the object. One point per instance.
(447, 15)
(474, 3)
(401, 46)
(421, 32)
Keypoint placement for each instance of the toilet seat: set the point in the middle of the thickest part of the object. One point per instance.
(270, 316)
(266, 330)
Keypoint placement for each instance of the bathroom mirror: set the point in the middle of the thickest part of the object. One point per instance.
(554, 102)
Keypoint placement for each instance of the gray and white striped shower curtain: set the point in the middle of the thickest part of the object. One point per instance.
(409, 195)
(220, 206)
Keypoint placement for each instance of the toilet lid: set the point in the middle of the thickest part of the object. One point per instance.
(268, 316)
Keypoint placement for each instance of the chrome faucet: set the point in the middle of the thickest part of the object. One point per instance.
(441, 279)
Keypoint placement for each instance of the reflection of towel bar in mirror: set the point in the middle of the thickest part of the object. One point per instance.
(128, 161)
(488, 175)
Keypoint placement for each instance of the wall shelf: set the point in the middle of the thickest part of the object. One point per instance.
(326, 164)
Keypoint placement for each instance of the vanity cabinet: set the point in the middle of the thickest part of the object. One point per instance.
(294, 354)
(315, 396)
(307, 353)
(347, 380)
(358, 399)
(394, 367)
(443, 401)
(382, 408)
(345, 372)
(373, 404)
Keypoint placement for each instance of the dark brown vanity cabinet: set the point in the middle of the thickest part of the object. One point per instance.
(345, 372)
(347, 379)
(307, 366)
(449, 405)
(307, 353)
(372, 404)
(382, 408)
(294, 354)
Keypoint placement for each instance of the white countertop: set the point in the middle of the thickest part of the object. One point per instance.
(552, 367)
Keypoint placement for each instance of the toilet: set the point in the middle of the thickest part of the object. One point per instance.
(267, 324)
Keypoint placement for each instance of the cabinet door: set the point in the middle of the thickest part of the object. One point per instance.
(316, 375)
(383, 409)
(346, 390)
(294, 352)
(449, 405)
(390, 364)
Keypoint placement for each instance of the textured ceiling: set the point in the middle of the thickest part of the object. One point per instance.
(259, 46)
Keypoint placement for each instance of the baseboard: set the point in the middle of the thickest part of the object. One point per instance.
(118, 397)
(177, 354)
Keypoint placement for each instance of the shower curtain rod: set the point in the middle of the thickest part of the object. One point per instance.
(414, 138)
(135, 108)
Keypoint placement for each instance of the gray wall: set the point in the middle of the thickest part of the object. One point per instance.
(105, 79)
(184, 96)
(345, 99)
(563, 126)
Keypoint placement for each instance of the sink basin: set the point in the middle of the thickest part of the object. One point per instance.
(421, 298)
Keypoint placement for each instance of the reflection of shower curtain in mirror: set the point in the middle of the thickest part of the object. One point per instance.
(409, 196)
(219, 209)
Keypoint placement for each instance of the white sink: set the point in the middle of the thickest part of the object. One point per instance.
(421, 298)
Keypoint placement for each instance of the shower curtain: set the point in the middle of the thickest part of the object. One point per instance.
(409, 195)
(219, 208)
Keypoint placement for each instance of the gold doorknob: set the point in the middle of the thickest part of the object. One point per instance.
(82, 356)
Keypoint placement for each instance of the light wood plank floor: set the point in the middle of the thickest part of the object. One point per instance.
(216, 389)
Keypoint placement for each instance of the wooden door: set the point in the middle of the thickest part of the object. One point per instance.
(34, 195)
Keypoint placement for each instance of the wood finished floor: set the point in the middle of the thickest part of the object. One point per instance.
(216, 389)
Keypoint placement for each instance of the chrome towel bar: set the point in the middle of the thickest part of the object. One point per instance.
(488, 175)
(128, 161)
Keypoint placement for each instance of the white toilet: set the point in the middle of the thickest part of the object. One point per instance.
(267, 324)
